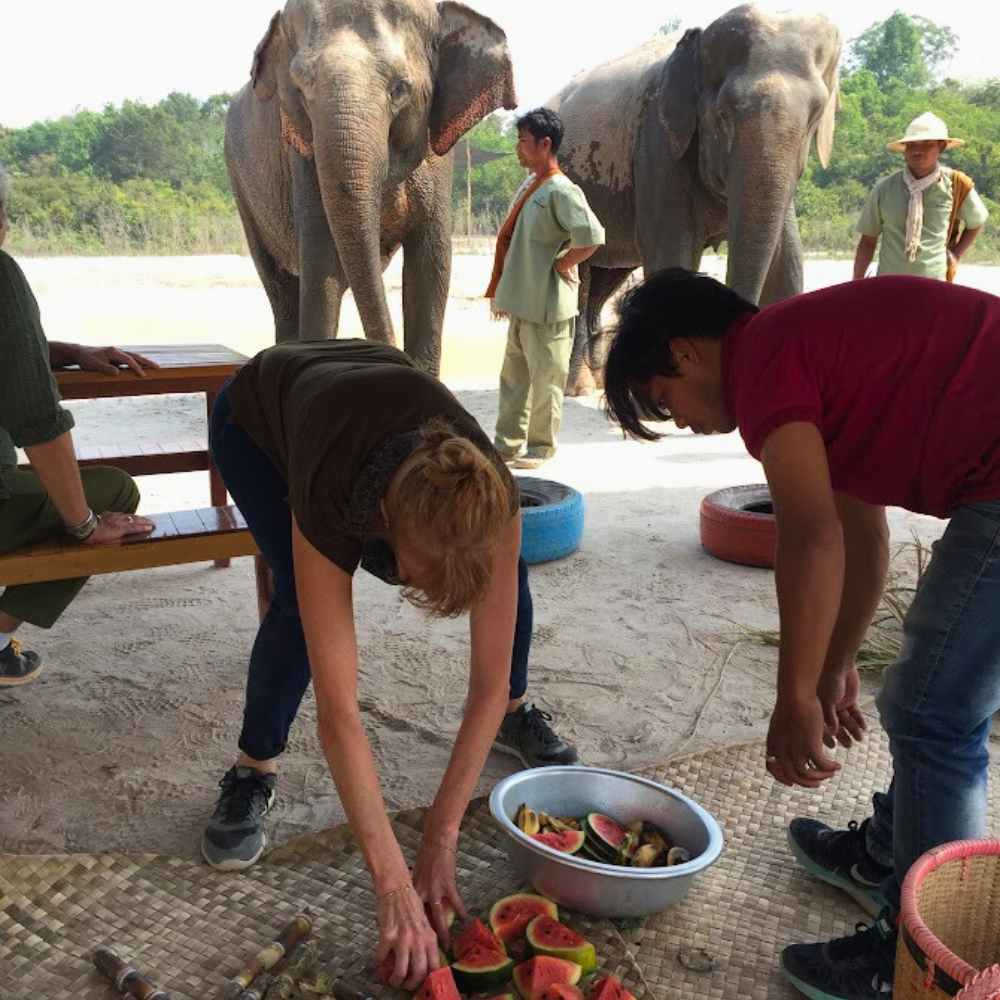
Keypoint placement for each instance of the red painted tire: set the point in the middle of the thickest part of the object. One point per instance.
(737, 525)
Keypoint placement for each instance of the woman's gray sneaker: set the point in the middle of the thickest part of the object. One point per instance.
(840, 858)
(526, 734)
(18, 665)
(234, 838)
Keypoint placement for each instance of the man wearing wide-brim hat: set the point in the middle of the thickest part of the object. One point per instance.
(926, 214)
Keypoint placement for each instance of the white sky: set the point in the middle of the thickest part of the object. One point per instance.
(60, 56)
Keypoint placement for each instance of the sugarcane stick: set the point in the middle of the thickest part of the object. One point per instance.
(267, 958)
(302, 965)
(128, 980)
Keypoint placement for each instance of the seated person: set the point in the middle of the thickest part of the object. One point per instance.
(56, 495)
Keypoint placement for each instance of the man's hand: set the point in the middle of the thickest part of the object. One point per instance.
(838, 695)
(569, 272)
(110, 360)
(795, 754)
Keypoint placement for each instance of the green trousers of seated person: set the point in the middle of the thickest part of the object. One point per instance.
(29, 517)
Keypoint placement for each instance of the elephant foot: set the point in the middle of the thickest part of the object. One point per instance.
(582, 383)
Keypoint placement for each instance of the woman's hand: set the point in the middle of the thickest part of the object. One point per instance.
(405, 938)
(111, 360)
(838, 692)
(112, 528)
(434, 880)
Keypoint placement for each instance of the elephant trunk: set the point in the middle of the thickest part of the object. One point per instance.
(761, 185)
(351, 164)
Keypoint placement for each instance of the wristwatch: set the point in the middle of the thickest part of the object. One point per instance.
(81, 532)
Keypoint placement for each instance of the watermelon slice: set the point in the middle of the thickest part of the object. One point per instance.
(439, 985)
(567, 841)
(481, 969)
(549, 937)
(605, 836)
(609, 988)
(560, 991)
(512, 914)
(533, 976)
(504, 996)
(472, 934)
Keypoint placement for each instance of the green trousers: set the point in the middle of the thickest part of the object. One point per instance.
(532, 383)
(29, 517)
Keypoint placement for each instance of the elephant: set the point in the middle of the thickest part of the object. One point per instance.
(694, 139)
(338, 155)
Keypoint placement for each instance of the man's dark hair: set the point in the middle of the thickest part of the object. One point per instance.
(543, 124)
(671, 303)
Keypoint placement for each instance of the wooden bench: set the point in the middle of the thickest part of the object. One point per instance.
(184, 536)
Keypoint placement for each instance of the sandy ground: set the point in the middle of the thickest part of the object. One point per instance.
(638, 653)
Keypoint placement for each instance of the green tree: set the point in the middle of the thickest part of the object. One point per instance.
(670, 26)
(903, 49)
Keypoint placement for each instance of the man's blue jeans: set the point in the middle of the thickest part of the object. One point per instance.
(938, 699)
(279, 666)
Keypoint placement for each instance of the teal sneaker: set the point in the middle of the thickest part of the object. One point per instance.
(857, 967)
(840, 858)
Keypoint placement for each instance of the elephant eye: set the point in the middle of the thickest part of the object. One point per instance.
(400, 91)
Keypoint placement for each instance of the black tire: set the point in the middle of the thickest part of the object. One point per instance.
(551, 519)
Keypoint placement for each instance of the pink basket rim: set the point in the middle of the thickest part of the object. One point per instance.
(983, 986)
(923, 938)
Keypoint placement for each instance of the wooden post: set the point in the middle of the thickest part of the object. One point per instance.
(468, 186)
(216, 487)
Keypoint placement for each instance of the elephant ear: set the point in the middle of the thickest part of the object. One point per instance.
(824, 131)
(474, 74)
(679, 91)
(263, 71)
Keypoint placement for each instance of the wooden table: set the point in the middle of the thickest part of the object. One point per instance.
(183, 368)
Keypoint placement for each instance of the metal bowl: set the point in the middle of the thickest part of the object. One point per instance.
(589, 886)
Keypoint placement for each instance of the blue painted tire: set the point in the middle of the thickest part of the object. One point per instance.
(551, 519)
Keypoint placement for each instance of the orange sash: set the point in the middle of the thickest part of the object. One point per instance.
(506, 233)
(961, 185)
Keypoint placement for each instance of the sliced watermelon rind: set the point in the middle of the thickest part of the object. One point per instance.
(512, 929)
(473, 933)
(565, 841)
(602, 840)
(476, 973)
(531, 977)
(608, 988)
(439, 985)
(580, 950)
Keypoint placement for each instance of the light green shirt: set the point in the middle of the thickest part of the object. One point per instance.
(884, 215)
(555, 218)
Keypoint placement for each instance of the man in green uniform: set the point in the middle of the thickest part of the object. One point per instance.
(55, 496)
(549, 231)
(912, 209)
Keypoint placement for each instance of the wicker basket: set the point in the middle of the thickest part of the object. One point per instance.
(949, 928)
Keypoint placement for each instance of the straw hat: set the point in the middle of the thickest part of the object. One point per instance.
(924, 128)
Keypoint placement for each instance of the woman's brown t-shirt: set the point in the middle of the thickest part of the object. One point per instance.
(321, 410)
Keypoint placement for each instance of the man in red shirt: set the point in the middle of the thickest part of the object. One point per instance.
(854, 397)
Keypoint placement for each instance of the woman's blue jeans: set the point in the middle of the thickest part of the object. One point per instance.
(939, 697)
(279, 666)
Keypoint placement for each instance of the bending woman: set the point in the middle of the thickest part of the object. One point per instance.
(340, 453)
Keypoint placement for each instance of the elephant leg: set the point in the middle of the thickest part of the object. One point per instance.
(281, 288)
(587, 361)
(784, 277)
(322, 279)
(426, 274)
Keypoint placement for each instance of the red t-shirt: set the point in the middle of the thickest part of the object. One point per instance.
(900, 375)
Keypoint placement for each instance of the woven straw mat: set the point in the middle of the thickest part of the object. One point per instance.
(189, 928)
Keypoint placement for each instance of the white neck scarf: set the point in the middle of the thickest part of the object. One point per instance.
(915, 211)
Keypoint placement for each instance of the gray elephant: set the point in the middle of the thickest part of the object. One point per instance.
(337, 154)
(695, 139)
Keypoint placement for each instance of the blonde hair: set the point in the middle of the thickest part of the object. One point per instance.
(451, 502)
